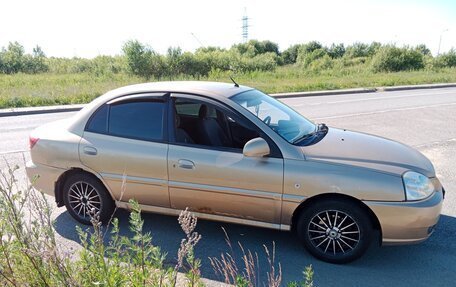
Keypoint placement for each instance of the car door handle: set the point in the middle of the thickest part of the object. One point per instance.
(89, 150)
(185, 163)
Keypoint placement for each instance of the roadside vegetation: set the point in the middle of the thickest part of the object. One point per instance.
(31, 255)
(35, 79)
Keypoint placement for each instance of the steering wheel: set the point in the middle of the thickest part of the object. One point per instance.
(267, 120)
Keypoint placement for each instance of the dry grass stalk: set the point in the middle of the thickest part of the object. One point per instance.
(188, 222)
(226, 267)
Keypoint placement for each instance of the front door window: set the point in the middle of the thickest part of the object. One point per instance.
(201, 123)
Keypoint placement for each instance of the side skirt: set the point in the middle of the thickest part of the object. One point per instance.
(214, 217)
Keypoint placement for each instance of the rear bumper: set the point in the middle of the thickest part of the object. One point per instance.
(408, 222)
(43, 177)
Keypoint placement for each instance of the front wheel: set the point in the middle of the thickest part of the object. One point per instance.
(335, 231)
(85, 196)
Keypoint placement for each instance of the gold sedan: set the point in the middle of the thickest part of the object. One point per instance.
(231, 153)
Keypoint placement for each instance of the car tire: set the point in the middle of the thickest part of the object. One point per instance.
(85, 196)
(335, 231)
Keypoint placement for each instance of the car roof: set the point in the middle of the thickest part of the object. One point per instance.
(216, 90)
(211, 89)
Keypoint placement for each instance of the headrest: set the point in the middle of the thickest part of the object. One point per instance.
(177, 121)
(202, 114)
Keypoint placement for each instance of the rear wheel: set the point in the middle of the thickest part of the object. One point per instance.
(336, 231)
(84, 197)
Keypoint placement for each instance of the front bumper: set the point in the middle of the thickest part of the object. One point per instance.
(408, 222)
(43, 177)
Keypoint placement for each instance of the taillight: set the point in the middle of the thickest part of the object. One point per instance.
(32, 142)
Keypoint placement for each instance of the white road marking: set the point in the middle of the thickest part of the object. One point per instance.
(385, 111)
(370, 99)
(12, 151)
(386, 98)
(435, 143)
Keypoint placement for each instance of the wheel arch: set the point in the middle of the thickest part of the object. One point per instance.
(64, 176)
(318, 198)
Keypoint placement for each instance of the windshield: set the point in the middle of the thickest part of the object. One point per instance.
(283, 120)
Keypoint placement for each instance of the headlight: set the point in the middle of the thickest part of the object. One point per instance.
(417, 186)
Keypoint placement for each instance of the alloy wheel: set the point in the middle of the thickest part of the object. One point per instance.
(84, 200)
(333, 232)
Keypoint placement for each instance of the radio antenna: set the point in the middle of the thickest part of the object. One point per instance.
(235, 84)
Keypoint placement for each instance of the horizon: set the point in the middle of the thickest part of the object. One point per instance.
(86, 30)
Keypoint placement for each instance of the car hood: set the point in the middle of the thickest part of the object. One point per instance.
(368, 151)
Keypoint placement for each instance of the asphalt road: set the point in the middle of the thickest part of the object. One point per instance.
(424, 119)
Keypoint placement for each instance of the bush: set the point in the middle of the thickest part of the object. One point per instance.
(323, 63)
(232, 60)
(423, 49)
(195, 65)
(263, 62)
(446, 60)
(310, 47)
(107, 65)
(336, 51)
(290, 55)
(306, 58)
(32, 256)
(394, 59)
(254, 47)
(362, 50)
(35, 63)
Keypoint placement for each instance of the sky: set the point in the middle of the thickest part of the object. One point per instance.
(88, 28)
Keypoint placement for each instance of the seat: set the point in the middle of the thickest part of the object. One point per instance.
(181, 135)
(209, 131)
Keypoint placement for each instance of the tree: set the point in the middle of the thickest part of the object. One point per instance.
(423, 49)
(35, 63)
(290, 55)
(139, 58)
(373, 48)
(310, 47)
(358, 50)
(336, 51)
(173, 58)
(12, 58)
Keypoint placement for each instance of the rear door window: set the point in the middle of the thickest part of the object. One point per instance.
(137, 119)
(141, 120)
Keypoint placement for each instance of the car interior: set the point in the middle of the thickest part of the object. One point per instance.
(201, 123)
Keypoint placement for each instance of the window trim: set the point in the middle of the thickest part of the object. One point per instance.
(228, 111)
(144, 97)
(86, 127)
(137, 97)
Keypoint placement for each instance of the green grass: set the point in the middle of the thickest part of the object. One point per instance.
(24, 90)
(288, 79)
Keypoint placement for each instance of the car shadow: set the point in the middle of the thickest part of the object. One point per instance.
(429, 263)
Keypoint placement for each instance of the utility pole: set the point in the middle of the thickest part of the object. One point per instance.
(440, 41)
(245, 26)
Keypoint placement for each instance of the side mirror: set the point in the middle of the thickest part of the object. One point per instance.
(256, 147)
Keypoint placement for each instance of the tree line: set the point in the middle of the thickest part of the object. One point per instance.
(140, 59)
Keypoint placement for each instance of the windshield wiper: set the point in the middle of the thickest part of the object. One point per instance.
(320, 128)
(304, 137)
